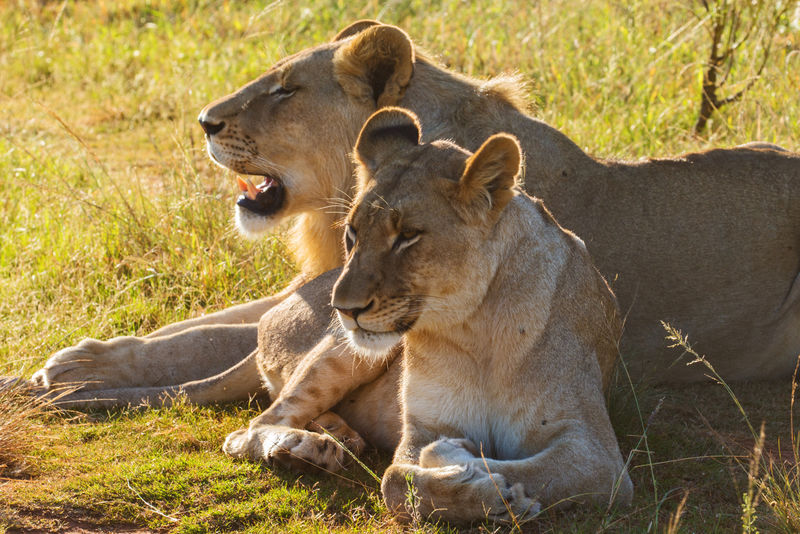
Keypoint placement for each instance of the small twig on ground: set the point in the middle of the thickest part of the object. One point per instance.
(150, 506)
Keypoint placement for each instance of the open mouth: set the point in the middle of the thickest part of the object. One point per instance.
(264, 199)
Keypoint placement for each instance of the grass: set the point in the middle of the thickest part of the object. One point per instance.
(20, 416)
(773, 478)
(113, 222)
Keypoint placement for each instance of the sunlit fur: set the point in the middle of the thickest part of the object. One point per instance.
(372, 344)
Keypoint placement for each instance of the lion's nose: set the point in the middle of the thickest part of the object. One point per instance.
(210, 127)
(353, 313)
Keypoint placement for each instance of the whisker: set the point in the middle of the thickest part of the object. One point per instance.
(341, 202)
(335, 205)
(344, 195)
(340, 224)
(380, 197)
(331, 211)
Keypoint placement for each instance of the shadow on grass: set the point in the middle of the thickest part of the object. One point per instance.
(163, 468)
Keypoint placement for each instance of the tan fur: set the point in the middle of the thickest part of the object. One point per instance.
(709, 242)
(505, 326)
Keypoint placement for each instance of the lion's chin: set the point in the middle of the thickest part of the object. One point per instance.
(377, 345)
(252, 225)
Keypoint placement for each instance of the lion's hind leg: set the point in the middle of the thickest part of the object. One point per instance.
(334, 426)
(130, 362)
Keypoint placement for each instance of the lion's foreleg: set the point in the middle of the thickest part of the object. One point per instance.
(574, 467)
(321, 380)
(239, 382)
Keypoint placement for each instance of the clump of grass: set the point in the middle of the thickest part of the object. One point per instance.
(780, 491)
(20, 421)
(780, 484)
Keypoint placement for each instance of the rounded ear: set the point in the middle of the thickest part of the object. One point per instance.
(489, 177)
(356, 27)
(376, 64)
(386, 132)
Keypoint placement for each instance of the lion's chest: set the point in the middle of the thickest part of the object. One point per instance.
(490, 416)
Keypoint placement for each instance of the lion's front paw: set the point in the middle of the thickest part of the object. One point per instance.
(237, 444)
(515, 501)
(92, 364)
(457, 493)
(295, 449)
(330, 423)
(448, 451)
(500, 499)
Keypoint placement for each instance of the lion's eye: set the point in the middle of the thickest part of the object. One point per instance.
(282, 92)
(405, 239)
(349, 238)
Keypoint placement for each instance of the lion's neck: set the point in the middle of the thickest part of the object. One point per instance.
(317, 242)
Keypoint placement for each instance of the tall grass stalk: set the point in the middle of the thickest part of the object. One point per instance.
(781, 482)
(773, 482)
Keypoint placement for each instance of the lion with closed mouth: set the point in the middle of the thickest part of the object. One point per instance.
(508, 329)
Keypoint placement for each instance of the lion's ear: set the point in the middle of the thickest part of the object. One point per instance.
(386, 132)
(376, 64)
(356, 27)
(489, 177)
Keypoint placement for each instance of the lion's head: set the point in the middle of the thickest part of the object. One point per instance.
(294, 127)
(418, 239)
